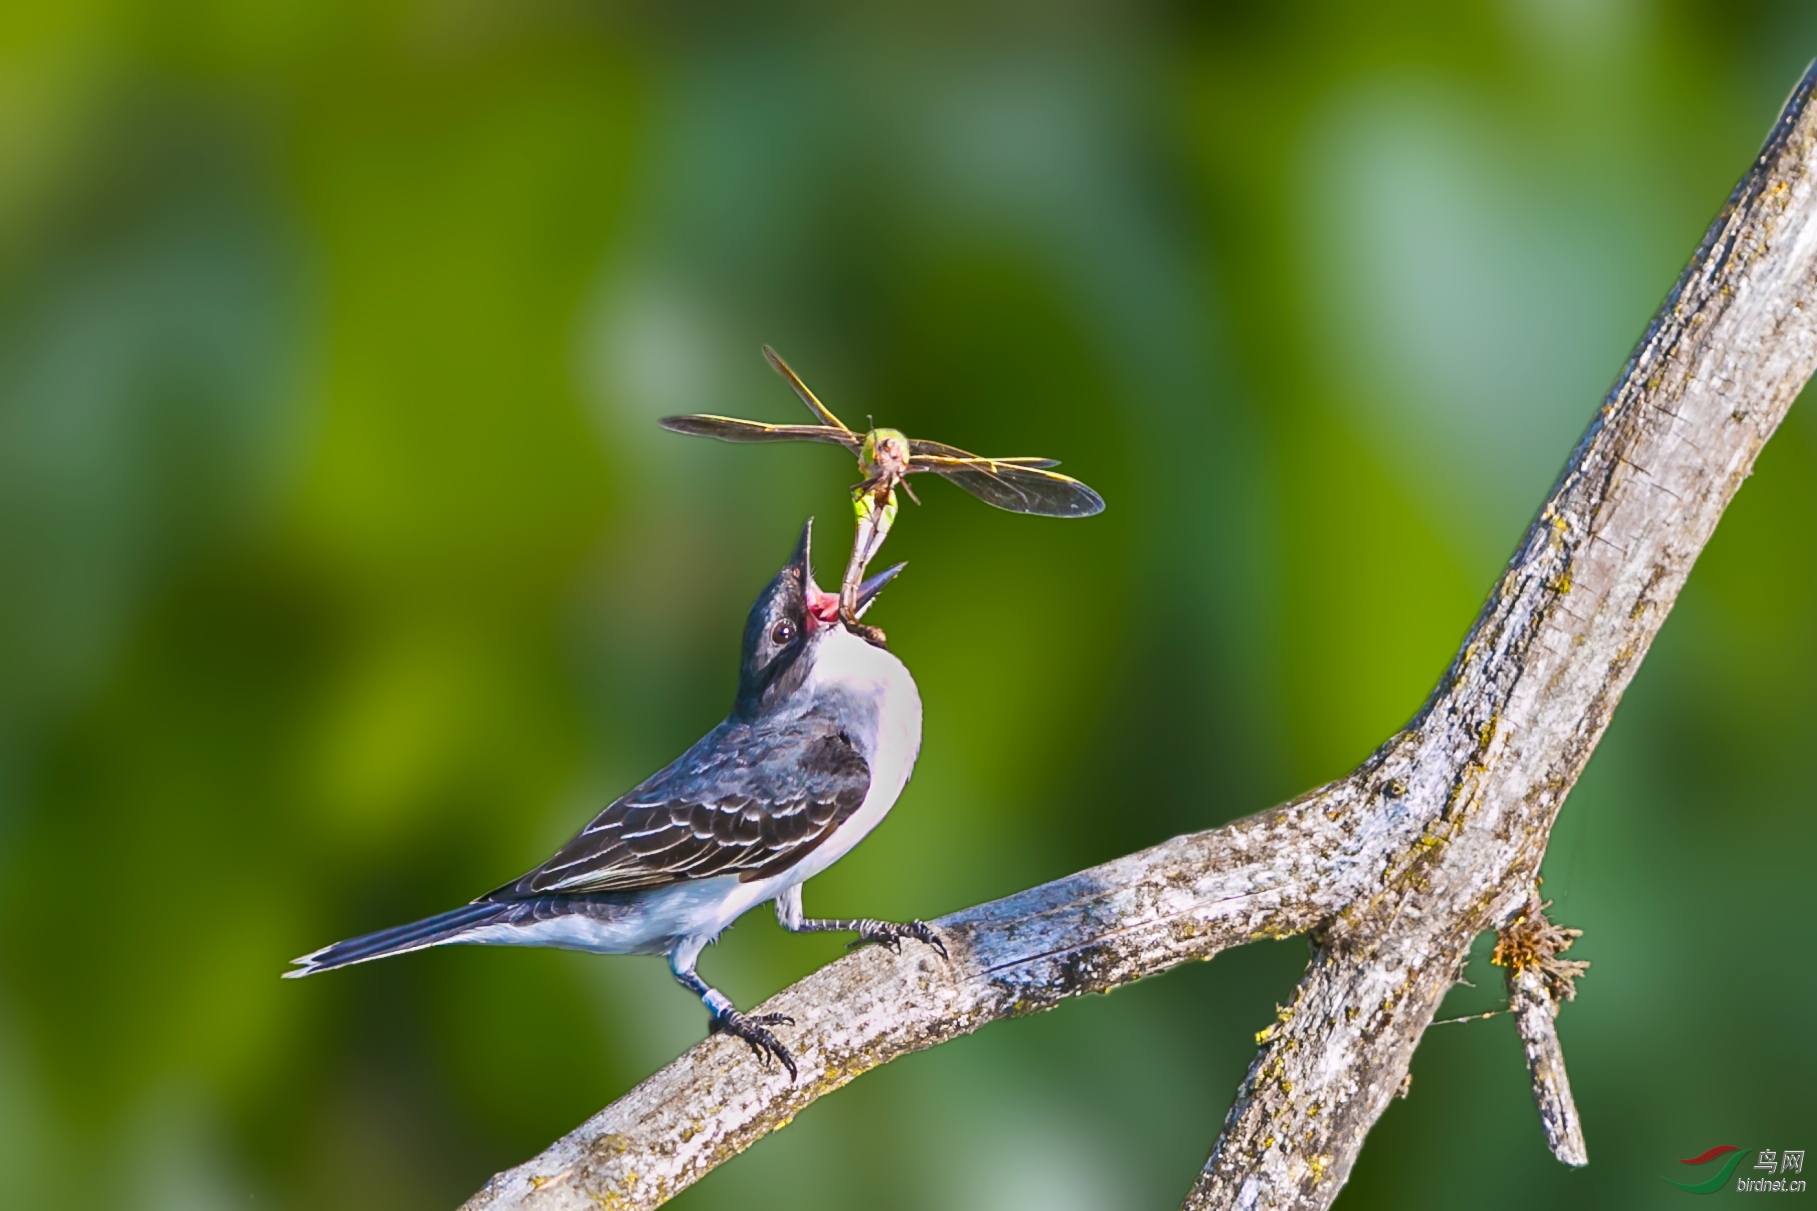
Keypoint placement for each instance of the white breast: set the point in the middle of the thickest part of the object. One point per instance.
(889, 744)
(885, 726)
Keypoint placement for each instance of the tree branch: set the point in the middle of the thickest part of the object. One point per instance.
(1394, 869)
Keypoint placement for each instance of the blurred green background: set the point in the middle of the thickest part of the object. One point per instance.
(343, 572)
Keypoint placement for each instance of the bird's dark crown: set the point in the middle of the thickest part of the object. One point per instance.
(780, 630)
(787, 621)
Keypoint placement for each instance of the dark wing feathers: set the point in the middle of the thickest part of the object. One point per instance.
(749, 799)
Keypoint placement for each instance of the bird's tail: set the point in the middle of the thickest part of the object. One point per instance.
(400, 939)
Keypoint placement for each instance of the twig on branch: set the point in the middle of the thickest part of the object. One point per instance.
(1538, 983)
(1534, 1016)
(1392, 870)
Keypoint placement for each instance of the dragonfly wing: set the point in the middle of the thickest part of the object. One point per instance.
(807, 397)
(1016, 486)
(942, 450)
(731, 429)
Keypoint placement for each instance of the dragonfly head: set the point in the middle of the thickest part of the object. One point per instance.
(885, 453)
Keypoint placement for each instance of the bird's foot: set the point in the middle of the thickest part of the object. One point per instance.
(750, 1028)
(891, 933)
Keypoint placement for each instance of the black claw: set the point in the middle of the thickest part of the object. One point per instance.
(891, 933)
(925, 933)
(750, 1028)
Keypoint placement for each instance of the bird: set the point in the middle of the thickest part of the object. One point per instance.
(823, 734)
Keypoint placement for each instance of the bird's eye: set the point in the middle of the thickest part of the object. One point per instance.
(783, 633)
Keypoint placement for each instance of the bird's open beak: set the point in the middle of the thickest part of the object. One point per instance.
(802, 558)
(867, 592)
(820, 607)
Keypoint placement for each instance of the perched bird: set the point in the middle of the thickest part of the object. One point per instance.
(820, 742)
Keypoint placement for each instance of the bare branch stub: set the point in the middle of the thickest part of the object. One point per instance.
(1392, 870)
(1539, 981)
(1535, 1017)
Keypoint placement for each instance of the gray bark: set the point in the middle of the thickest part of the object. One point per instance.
(1392, 870)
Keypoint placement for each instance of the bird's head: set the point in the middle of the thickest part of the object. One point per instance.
(788, 622)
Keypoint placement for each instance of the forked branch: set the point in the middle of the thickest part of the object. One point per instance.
(1392, 870)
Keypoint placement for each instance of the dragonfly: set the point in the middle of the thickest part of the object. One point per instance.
(886, 458)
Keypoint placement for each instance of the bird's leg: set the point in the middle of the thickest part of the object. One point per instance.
(725, 1017)
(884, 933)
